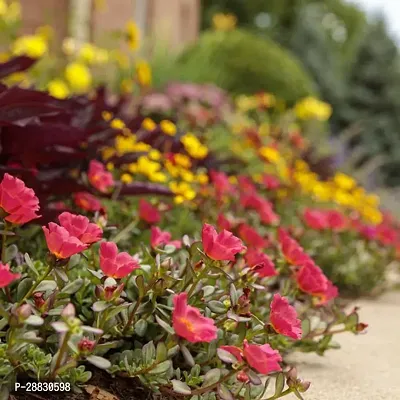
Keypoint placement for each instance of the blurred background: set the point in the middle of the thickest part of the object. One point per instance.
(342, 52)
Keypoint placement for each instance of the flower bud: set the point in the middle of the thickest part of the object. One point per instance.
(86, 345)
(361, 327)
(242, 377)
(24, 312)
(303, 386)
(39, 300)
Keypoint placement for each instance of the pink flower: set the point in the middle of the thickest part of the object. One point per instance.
(18, 201)
(263, 207)
(87, 201)
(114, 264)
(235, 351)
(336, 220)
(260, 263)
(99, 178)
(148, 212)
(315, 219)
(80, 227)
(190, 324)
(251, 237)
(263, 359)
(221, 183)
(291, 249)
(222, 246)
(283, 317)
(61, 243)
(158, 237)
(329, 294)
(223, 222)
(271, 182)
(6, 276)
(310, 279)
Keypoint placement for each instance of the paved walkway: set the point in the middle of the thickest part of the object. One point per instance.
(368, 366)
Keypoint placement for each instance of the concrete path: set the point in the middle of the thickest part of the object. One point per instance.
(367, 367)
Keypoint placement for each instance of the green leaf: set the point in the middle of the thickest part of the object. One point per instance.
(233, 294)
(161, 352)
(224, 393)
(73, 286)
(34, 320)
(254, 378)
(99, 362)
(165, 326)
(305, 327)
(161, 368)
(279, 384)
(29, 263)
(226, 357)
(351, 321)
(208, 290)
(116, 310)
(74, 261)
(173, 351)
(141, 327)
(23, 288)
(11, 252)
(148, 353)
(45, 286)
(180, 387)
(211, 377)
(187, 355)
(216, 307)
(100, 306)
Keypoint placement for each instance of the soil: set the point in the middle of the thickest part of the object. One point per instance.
(102, 386)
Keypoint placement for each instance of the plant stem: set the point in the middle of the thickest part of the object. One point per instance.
(132, 315)
(4, 244)
(125, 231)
(315, 334)
(284, 393)
(61, 352)
(198, 279)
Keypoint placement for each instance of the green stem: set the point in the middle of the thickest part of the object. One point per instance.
(333, 332)
(61, 352)
(284, 393)
(4, 244)
(198, 279)
(125, 231)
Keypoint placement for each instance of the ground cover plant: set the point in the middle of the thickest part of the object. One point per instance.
(182, 241)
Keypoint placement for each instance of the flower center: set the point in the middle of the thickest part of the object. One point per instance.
(187, 323)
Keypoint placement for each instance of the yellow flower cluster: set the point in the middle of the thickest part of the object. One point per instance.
(342, 190)
(224, 22)
(311, 108)
(194, 147)
(34, 46)
(10, 13)
(132, 35)
(246, 103)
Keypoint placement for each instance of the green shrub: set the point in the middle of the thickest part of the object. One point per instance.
(241, 62)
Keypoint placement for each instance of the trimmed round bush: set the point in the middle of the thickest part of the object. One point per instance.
(241, 62)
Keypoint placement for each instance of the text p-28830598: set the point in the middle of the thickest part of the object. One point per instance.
(43, 387)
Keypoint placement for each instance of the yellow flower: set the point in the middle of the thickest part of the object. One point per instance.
(107, 153)
(187, 176)
(4, 57)
(154, 155)
(343, 198)
(149, 124)
(110, 166)
(126, 178)
(322, 191)
(312, 108)
(78, 77)
(182, 190)
(117, 123)
(143, 73)
(133, 35)
(126, 86)
(344, 181)
(246, 103)
(168, 127)
(202, 178)
(182, 160)
(58, 89)
(372, 215)
(270, 154)
(194, 147)
(10, 14)
(33, 46)
(233, 180)
(301, 165)
(69, 46)
(128, 144)
(372, 200)
(224, 22)
(106, 115)
(87, 53)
